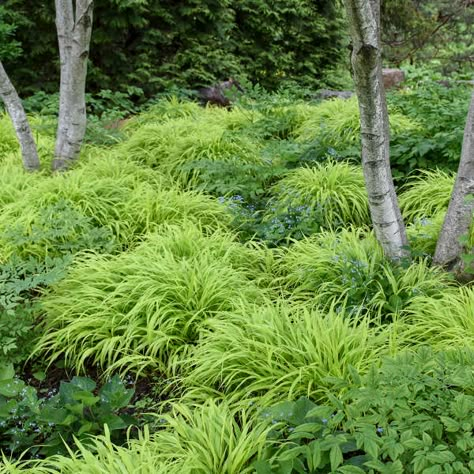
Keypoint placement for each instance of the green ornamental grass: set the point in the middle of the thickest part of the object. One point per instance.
(142, 309)
(426, 195)
(336, 123)
(349, 268)
(172, 146)
(333, 193)
(445, 322)
(276, 352)
(115, 194)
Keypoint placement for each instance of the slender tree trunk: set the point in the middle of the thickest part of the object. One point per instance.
(17, 114)
(459, 215)
(74, 27)
(364, 19)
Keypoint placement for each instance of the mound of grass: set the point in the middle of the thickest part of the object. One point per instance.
(8, 140)
(327, 196)
(112, 194)
(423, 234)
(143, 308)
(14, 180)
(99, 455)
(444, 322)
(349, 267)
(336, 124)
(212, 438)
(173, 145)
(426, 195)
(276, 351)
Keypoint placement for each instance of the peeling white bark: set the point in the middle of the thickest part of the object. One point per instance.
(459, 215)
(364, 20)
(74, 27)
(18, 117)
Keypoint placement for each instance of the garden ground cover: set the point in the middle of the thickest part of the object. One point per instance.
(224, 260)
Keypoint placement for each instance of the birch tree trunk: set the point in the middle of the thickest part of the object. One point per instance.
(459, 215)
(18, 117)
(74, 27)
(364, 20)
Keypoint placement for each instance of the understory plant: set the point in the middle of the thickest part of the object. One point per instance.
(141, 309)
(276, 351)
(46, 426)
(413, 415)
(348, 268)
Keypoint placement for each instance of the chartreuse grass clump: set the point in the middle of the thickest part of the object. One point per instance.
(326, 196)
(111, 200)
(14, 180)
(208, 439)
(144, 308)
(277, 351)
(427, 195)
(336, 124)
(348, 268)
(444, 322)
(173, 146)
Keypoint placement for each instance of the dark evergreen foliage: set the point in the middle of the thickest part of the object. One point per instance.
(152, 45)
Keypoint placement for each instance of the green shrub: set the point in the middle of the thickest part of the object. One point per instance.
(76, 412)
(349, 268)
(20, 282)
(141, 309)
(436, 143)
(412, 415)
(277, 351)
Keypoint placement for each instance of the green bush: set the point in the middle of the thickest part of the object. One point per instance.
(348, 268)
(412, 415)
(441, 114)
(21, 280)
(148, 46)
(142, 309)
(45, 425)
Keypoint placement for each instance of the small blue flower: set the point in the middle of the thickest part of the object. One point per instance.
(379, 430)
(324, 420)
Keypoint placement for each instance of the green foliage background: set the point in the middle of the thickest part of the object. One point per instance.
(146, 46)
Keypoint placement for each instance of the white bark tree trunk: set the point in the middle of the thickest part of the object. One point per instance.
(364, 20)
(459, 215)
(18, 117)
(74, 27)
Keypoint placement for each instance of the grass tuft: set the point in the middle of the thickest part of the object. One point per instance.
(141, 309)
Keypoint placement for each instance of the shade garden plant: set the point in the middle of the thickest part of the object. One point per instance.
(203, 294)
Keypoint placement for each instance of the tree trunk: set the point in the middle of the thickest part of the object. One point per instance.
(364, 20)
(74, 32)
(17, 114)
(459, 215)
